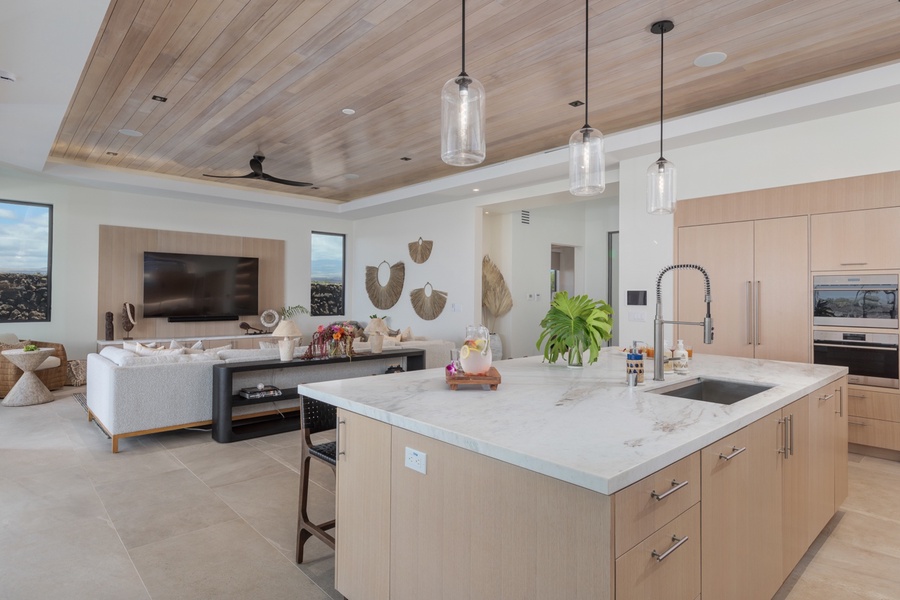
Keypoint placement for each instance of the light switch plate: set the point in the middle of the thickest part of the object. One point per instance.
(415, 460)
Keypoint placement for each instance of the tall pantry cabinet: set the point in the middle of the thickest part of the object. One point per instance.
(759, 279)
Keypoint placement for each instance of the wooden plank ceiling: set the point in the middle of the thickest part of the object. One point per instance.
(273, 75)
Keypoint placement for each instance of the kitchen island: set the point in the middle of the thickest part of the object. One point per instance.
(537, 489)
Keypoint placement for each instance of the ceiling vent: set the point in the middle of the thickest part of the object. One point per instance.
(526, 217)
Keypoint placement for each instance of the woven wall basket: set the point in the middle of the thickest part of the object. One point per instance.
(420, 250)
(385, 296)
(428, 305)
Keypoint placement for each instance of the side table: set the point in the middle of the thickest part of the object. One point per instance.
(28, 389)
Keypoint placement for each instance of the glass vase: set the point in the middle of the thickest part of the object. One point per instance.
(575, 357)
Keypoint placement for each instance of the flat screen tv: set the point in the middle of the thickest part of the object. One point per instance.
(199, 287)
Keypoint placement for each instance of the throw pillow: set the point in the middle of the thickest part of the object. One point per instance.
(132, 346)
(76, 372)
(9, 338)
(406, 335)
(142, 350)
(16, 346)
(175, 344)
(264, 345)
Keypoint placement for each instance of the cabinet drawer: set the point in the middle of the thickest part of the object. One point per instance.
(640, 575)
(872, 432)
(873, 405)
(643, 507)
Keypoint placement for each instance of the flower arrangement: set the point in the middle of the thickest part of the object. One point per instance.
(331, 340)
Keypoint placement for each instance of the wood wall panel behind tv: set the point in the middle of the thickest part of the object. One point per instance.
(121, 277)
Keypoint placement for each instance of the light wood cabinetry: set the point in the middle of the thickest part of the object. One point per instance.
(794, 448)
(841, 443)
(856, 240)
(475, 527)
(874, 418)
(647, 505)
(759, 274)
(741, 521)
(666, 564)
(362, 563)
(822, 441)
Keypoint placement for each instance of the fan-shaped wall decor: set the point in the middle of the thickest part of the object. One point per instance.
(385, 296)
(428, 305)
(420, 250)
(495, 296)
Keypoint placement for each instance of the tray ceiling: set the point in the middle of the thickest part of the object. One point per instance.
(274, 76)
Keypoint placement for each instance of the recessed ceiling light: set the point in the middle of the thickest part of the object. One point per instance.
(474, 189)
(710, 59)
(576, 103)
(487, 212)
(130, 132)
(348, 111)
(158, 98)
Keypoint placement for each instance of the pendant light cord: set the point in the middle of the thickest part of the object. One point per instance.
(662, 45)
(463, 72)
(586, 19)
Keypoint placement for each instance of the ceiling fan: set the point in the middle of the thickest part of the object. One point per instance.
(257, 173)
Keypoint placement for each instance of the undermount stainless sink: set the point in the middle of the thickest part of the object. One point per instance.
(718, 391)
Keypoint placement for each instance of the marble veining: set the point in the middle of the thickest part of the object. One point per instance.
(584, 426)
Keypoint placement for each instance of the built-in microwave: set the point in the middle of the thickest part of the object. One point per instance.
(855, 301)
(872, 358)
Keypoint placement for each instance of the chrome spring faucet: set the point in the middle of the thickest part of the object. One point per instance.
(658, 322)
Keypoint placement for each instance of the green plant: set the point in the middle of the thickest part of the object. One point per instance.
(579, 323)
(30, 348)
(289, 312)
(375, 316)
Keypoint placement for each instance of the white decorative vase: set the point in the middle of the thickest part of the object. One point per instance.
(286, 349)
(376, 343)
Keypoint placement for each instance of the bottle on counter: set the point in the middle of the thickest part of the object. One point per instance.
(634, 364)
(680, 358)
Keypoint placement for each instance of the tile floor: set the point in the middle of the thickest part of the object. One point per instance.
(176, 515)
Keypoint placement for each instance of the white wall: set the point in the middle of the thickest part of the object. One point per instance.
(79, 211)
(847, 145)
(456, 231)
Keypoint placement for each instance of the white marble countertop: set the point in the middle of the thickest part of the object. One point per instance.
(584, 426)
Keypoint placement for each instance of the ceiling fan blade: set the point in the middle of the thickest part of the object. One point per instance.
(285, 181)
(247, 176)
(256, 166)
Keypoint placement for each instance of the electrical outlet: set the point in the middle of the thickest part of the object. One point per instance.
(415, 460)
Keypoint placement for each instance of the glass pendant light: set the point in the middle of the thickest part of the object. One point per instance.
(661, 174)
(587, 162)
(462, 115)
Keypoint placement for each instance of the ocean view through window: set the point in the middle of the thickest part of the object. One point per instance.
(25, 253)
(327, 282)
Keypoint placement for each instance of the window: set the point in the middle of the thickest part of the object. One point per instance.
(25, 243)
(327, 285)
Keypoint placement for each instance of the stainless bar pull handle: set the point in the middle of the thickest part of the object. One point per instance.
(853, 264)
(784, 438)
(678, 542)
(749, 313)
(735, 452)
(840, 392)
(792, 435)
(856, 395)
(859, 424)
(756, 306)
(675, 487)
(826, 397)
(818, 345)
(337, 436)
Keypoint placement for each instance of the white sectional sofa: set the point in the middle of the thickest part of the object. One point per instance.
(130, 395)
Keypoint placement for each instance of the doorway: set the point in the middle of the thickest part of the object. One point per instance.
(562, 269)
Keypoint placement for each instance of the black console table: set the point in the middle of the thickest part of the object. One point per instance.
(225, 398)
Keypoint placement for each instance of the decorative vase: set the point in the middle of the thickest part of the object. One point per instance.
(376, 343)
(286, 349)
(575, 357)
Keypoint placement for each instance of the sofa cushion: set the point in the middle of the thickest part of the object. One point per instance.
(267, 345)
(51, 362)
(175, 345)
(406, 335)
(132, 346)
(239, 355)
(116, 355)
(17, 345)
(166, 359)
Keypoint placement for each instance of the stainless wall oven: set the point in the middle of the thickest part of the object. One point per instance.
(873, 358)
(855, 301)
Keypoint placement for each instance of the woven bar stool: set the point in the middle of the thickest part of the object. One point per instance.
(315, 416)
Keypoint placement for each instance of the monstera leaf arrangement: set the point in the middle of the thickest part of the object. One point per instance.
(574, 325)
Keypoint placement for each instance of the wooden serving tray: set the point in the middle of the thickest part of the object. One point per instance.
(491, 378)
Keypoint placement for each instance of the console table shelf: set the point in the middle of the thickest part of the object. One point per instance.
(225, 428)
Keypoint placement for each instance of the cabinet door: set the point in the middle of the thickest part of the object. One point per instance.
(726, 252)
(363, 515)
(741, 513)
(781, 289)
(822, 405)
(841, 441)
(856, 240)
(795, 432)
